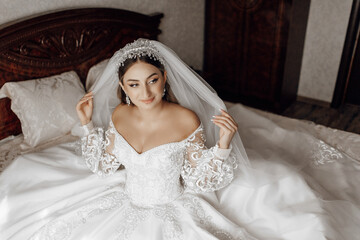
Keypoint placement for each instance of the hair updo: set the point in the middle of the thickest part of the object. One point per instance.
(169, 96)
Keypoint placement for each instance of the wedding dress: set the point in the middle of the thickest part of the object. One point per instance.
(300, 187)
(52, 194)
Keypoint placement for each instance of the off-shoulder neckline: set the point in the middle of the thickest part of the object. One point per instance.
(156, 147)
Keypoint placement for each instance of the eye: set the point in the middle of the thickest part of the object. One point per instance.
(153, 80)
(133, 85)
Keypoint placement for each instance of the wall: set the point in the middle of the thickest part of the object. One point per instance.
(182, 26)
(183, 31)
(325, 36)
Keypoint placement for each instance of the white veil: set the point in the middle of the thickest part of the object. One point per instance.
(190, 90)
(273, 155)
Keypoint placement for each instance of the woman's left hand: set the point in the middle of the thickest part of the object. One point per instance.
(228, 128)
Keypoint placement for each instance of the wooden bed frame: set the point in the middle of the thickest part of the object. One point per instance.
(62, 41)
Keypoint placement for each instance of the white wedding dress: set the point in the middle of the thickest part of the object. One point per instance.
(168, 192)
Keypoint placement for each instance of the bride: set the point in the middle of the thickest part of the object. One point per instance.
(169, 164)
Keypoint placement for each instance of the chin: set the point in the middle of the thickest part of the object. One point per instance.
(152, 104)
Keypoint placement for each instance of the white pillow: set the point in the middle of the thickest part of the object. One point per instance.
(95, 72)
(46, 106)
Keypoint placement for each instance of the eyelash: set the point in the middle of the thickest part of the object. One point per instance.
(151, 82)
(154, 80)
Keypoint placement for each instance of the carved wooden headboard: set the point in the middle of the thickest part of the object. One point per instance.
(62, 41)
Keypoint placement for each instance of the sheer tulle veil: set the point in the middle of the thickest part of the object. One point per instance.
(190, 90)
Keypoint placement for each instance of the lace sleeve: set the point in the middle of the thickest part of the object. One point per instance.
(97, 150)
(204, 169)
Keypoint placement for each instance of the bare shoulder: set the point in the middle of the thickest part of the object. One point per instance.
(119, 112)
(184, 118)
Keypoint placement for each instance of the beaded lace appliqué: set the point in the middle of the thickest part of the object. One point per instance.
(96, 154)
(153, 177)
(324, 154)
(135, 215)
(192, 204)
(169, 213)
(62, 228)
(211, 171)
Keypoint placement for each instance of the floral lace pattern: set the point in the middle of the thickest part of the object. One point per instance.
(62, 228)
(324, 154)
(192, 204)
(212, 171)
(345, 142)
(135, 215)
(153, 177)
(169, 215)
(97, 152)
(132, 216)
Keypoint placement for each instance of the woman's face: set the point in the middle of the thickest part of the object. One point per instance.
(144, 84)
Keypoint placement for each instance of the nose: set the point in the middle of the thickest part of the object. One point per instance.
(146, 92)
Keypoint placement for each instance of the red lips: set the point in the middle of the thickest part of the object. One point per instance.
(148, 100)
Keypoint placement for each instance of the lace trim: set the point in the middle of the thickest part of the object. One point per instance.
(345, 142)
(168, 214)
(95, 152)
(132, 217)
(206, 170)
(193, 205)
(324, 154)
(62, 228)
(135, 215)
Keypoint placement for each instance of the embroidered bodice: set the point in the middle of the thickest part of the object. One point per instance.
(161, 174)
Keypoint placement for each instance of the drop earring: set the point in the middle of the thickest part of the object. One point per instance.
(127, 99)
(164, 92)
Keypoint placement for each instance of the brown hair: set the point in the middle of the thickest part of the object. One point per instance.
(169, 96)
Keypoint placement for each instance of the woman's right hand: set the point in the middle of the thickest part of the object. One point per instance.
(84, 108)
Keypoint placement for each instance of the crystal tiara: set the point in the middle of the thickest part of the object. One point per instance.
(138, 48)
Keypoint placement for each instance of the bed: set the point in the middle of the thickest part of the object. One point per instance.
(53, 59)
(62, 41)
(78, 39)
(50, 44)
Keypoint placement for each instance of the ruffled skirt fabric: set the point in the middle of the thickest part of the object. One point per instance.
(303, 188)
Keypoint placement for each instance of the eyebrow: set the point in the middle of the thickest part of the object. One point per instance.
(138, 80)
